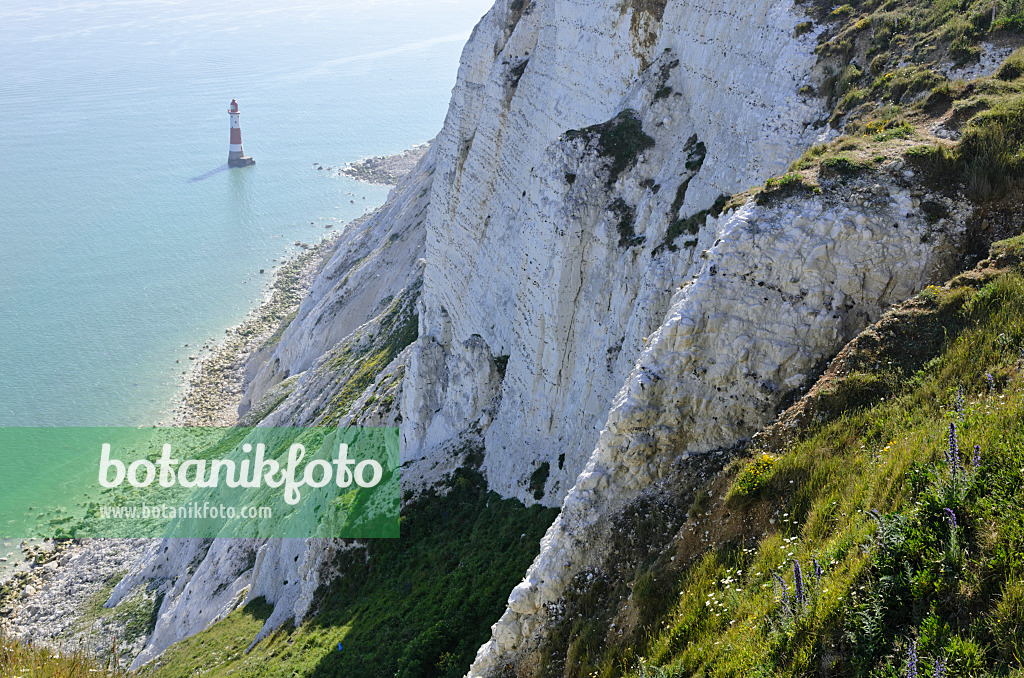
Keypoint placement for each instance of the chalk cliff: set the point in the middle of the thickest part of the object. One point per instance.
(583, 296)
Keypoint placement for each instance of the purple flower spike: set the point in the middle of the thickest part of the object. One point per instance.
(950, 517)
(912, 661)
(940, 669)
(798, 581)
(953, 453)
(817, 570)
(976, 459)
(991, 382)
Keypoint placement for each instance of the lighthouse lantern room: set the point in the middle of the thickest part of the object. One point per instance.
(236, 156)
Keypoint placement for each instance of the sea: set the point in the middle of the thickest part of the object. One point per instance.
(125, 240)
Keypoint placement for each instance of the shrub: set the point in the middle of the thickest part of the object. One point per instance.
(752, 477)
(853, 392)
(620, 139)
(690, 224)
(781, 187)
(626, 215)
(842, 166)
(538, 479)
(850, 75)
(964, 51)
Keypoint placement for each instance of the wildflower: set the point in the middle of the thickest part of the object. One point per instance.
(991, 382)
(953, 453)
(950, 517)
(912, 661)
(976, 459)
(798, 583)
(782, 586)
(940, 669)
(817, 572)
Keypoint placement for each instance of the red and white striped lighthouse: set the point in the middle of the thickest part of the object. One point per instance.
(236, 157)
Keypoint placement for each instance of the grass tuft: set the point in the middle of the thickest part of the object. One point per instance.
(18, 658)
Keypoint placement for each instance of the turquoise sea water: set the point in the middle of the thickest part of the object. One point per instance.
(120, 242)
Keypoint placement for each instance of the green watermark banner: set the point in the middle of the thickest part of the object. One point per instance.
(199, 482)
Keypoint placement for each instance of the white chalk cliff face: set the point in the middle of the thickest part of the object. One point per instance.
(571, 312)
(524, 248)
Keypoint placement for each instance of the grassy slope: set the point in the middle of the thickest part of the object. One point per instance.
(863, 490)
(879, 62)
(418, 606)
(20, 659)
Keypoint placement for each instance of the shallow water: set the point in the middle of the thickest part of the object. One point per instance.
(124, 236)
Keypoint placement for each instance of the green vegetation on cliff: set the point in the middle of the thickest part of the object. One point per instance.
(420, 605)
(888, 75)
(894, 494)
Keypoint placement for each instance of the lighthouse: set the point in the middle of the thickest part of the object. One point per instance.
(236, 157)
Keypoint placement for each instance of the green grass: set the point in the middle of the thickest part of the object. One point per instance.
(785, 186)
(915, 33)
(29, 660)
(862, 490)
(218, 648)
(420, 605)
(399, 327)
(989, 158)
(986, 163)
(136, 613)
(879, 58)
(690, 225)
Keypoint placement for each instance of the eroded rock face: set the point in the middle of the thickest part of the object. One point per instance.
(362, 300)
(778, 288)
(540, 241)
(202, 581)
(375, 259)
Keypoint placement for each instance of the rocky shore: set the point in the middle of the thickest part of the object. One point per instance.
(386, 170)
(213, 386)
(56, 596)
(56, 593)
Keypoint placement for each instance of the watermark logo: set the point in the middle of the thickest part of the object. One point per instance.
(193, 472)
(200, 482)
